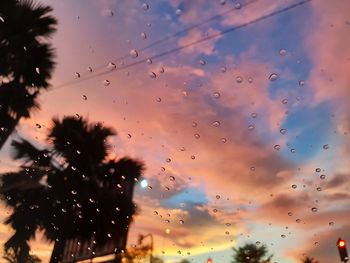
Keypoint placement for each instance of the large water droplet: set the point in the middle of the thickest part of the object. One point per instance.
(239, 79)
(133, 53)
(273, 77)
(216, 95)
(106, 82)
(216, 123)
(277, 147)
(282, 52)
(152, 75)
(172, 178)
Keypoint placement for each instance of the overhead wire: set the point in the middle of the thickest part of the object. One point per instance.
(209, 37)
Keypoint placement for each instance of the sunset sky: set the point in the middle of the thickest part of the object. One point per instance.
(236, 132)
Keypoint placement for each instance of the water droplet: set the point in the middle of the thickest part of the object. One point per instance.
(251, 127)
(273, 77)
(250, 80)
(197, 136)
(239, 79)
(38, 125)
(282, 52)
(215, 210)
(293, 151)
(298, 220)
(216, 123)
(178, 12)
(133, 53)
(222, 2)
(294, 186)
(238, 5)
(318, 170)
(161, 70)
(216, 95)
(283, 236)
(283, 131)
(152, 75)
(290, 213)
(2, 19)
(37, 70)
(319, 189)
(326, 146)
(149, 61)
(143, 35)
(74, 192)
(252, 168)
(284, 101)
(89, 69)
(258, 243)
(202, 62)
(223, 140)
(254, 115)
(181, 222)
(77, 74)
(277, 147)
(331, 223)
(111, 66)
(106, 82)
(172, 178)
(217, 196)
(193, 157)
(168, 160)
(194, 124)
(223, 69)
(301, 83)
(145, 6)
(84, 97)
(314, 209)
(159, 99)
(322, 176)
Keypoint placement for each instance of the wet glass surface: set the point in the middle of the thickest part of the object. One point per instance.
(174, 131)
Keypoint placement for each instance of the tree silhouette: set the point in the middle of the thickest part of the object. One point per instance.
(70, 190)
(26, 60)
(251, 253)
(309, 260)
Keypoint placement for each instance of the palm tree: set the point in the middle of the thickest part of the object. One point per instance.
(309, 260)
(70, 190)
(251, 253)
(26, 60)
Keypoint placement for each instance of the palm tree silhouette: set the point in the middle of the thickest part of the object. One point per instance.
(71, 190)
(309, 260)
(251, 253)
(26, 60)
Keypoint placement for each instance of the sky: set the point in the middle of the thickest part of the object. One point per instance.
(244, 136)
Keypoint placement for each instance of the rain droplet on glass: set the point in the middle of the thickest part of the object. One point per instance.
(133, 53)
(273, 77)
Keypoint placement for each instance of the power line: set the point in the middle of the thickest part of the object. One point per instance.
(177, 49)
(167, 38)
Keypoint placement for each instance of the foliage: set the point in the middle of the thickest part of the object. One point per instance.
(26, 60)
(251, 253)
(71, 189)
(309, 260)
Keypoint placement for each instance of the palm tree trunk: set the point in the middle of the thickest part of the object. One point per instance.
(5, 134)
(57, 251)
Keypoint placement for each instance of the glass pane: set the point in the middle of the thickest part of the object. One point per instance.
(174, 131)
